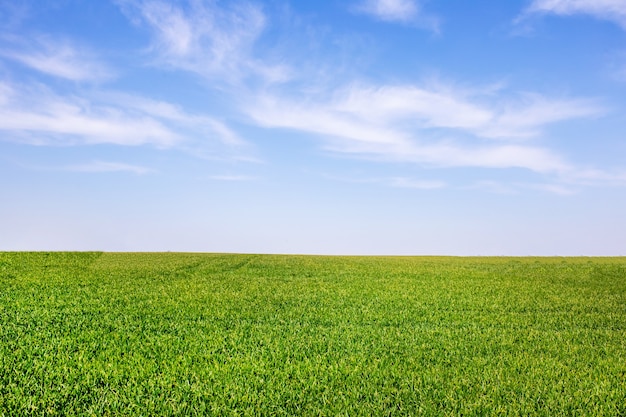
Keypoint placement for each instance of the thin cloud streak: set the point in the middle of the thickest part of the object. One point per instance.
(437, 125)
(509, 117)
(440, 125)
(36, 115)
(214, 42)
(58, 58)
(235, 178)
(595, 177)
(403, 182)
(394, 182)
(612, 10)
(527, 116)
(390, 10)
(202, 124)
(409, 123)
(397, 11)
(104, 167)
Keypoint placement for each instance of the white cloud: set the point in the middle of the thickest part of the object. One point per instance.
(206, 39)
(394, 182)
(428, 125)
(595, 177)
(558, 189)
(102, 166)
(403, 182)
(59, 58)
(437, 125)
(491, 186)
(528, 114)
(235, 178)
(510, 117)
(431, 108)
(173, 29)
(495, 156)
(612, 10)
(205, 125)
(400, 11)
(390, 10)
(37, 115)
(322, 119)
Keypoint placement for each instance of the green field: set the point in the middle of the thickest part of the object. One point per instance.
(209, 334)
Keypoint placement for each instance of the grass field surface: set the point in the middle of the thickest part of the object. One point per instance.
(215, 334)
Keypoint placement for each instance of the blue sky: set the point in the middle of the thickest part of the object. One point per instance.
(337, 127)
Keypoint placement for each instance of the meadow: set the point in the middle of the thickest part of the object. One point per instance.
(242, 335)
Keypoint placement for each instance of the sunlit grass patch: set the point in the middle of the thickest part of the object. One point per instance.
(185, 334)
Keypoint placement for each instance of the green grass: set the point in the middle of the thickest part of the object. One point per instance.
(208, 334)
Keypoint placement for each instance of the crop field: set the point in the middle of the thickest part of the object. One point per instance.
(216, 334)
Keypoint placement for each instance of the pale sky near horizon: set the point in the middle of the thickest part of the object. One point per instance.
(401, 127)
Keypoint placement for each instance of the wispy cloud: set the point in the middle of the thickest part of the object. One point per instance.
(551, 188)
(35, 114)
(50, 113)
(526, 115)
(612, 10)
(436, 124)
(102, 166)
(404, 182)
(56, 57)
(394, 182)
(491, 186)
(235, 178)
(428, 125)
(595, 177)
(400, 11)
(391, 10)
(204, 126)
(508, 116)
(206, 39)
(440, 125)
